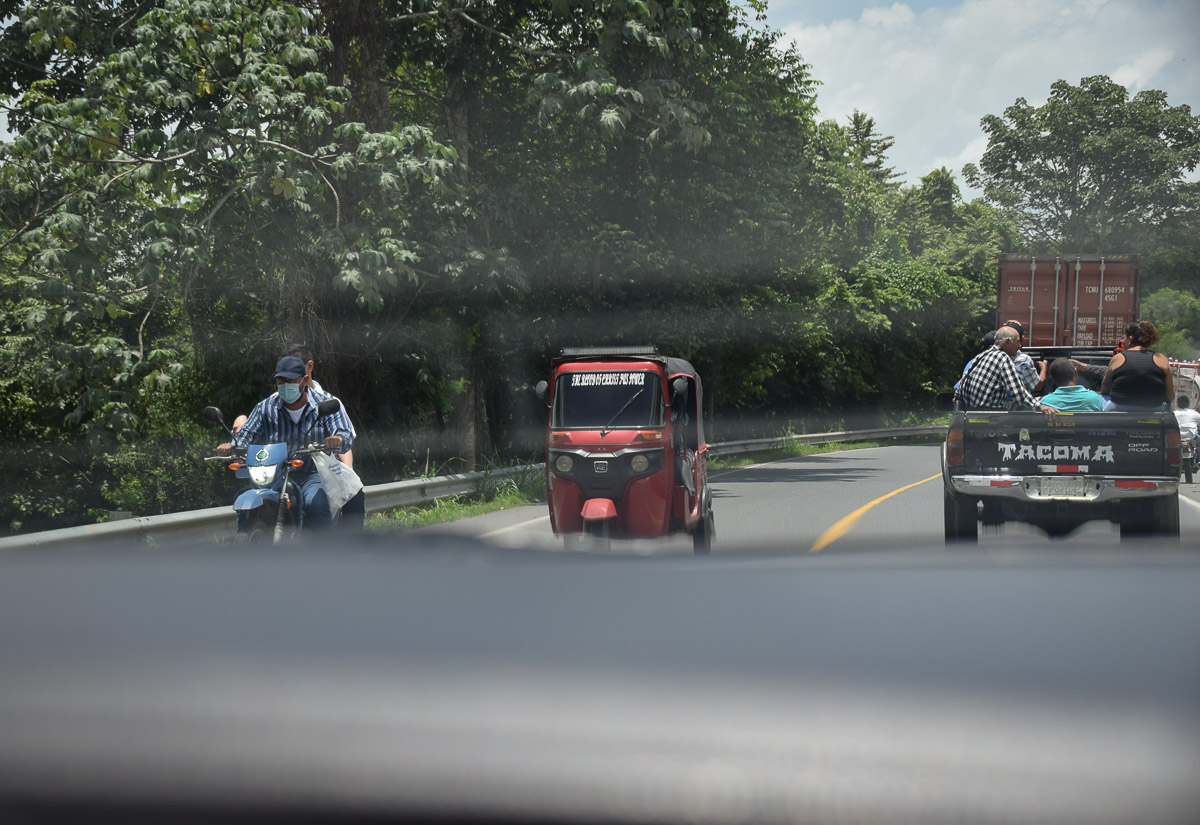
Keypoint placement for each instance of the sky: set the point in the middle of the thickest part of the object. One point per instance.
(927, 72)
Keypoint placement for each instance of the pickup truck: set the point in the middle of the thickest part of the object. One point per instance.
(1061, 472)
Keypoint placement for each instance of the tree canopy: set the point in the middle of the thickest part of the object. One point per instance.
(1092, 168)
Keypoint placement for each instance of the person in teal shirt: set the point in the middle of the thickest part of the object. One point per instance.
(1069, 396)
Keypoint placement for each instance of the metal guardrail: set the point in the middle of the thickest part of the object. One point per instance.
(756, 444)
(220, 523)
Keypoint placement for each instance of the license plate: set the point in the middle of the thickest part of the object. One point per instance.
(1064, 487)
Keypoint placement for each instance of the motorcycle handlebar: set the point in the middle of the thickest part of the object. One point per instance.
(240, 452)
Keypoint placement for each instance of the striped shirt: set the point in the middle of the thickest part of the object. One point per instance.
(270, 422)
(314, 384)
(991, 381)
(1025, 368)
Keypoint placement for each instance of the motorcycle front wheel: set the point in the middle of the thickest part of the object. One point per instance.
(257, 525)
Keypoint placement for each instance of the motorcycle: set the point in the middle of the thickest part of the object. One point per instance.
(1187, 458)
(272, 509)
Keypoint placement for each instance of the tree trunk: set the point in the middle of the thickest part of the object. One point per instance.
(461, 104)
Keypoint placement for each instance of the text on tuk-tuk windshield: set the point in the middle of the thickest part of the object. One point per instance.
(615, 399)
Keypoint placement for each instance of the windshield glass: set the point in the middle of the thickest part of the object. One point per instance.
(615, 400)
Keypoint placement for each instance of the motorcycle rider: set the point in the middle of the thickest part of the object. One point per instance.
(290, 415)
(1189, 427)
(1189, 419)
(305, 354)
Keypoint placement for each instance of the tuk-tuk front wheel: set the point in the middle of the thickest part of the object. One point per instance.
(702, 538)
(598, 529)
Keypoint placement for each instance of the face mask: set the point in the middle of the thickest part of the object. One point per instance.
(289, 393)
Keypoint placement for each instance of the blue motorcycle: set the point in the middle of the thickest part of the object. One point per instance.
(272, 509)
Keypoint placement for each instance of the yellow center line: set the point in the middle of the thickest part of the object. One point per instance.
(845, 524)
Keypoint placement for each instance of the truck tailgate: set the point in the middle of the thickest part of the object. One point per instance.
(1022, 443)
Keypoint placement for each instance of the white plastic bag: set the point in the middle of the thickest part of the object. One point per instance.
(340, 482)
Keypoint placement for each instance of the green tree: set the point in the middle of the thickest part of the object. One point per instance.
(1092, 169)
(1177, 316)
(868, 148)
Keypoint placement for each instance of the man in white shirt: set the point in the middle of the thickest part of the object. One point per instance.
(1189, 419)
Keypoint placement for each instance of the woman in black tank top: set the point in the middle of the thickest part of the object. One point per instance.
(1138, 378)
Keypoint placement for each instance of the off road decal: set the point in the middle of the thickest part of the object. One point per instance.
(1055, 452)
(608, 379)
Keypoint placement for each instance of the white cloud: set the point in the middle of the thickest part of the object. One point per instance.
(1135, 75)
(971, 153)
(929, 76)
(895, 16)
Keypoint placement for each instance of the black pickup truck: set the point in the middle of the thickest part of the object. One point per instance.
(1061, 472)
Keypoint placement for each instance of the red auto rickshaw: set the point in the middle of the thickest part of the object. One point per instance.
(625, 450)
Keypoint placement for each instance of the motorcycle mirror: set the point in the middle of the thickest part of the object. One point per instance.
(214, 414)
(540, 389)
(328, 407)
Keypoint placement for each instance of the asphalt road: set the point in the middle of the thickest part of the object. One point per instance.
(875, 498)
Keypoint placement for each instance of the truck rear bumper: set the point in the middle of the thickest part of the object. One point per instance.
(1063, 488)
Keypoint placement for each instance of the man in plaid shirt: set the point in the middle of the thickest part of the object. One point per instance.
(291, 415)
(993, 379)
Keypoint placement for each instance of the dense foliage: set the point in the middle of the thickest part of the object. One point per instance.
(435, 196)
(1091, 168)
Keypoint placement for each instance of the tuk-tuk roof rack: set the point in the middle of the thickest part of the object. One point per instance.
(592, 352)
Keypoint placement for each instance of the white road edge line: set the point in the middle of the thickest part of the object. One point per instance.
(1190, 501)
(512, 527)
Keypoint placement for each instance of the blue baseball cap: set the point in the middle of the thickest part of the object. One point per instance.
(290, 367)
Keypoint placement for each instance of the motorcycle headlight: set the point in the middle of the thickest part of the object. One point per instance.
(263, 474)
(640, 463)
(564, 463)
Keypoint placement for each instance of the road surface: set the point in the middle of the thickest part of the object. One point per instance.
(877, 498)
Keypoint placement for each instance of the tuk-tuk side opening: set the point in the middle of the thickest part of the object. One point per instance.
(685, 412)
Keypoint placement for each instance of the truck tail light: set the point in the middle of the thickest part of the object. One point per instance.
(954, 446)
(1172, 443)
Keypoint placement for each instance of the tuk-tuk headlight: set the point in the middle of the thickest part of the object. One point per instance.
(640, 463)
(564, 463)
(263, 474)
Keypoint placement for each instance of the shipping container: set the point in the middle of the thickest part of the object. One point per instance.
(1069, 300)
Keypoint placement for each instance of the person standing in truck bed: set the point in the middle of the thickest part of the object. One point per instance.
(992, 378)
(1033, 376)
(1138, 378)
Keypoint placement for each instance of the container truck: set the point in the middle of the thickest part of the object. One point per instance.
(1069, 300)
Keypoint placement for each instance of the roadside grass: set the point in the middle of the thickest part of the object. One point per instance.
(492, 493)
(444, 509)
(529, 487)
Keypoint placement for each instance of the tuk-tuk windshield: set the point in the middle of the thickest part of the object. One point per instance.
(616, 400)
